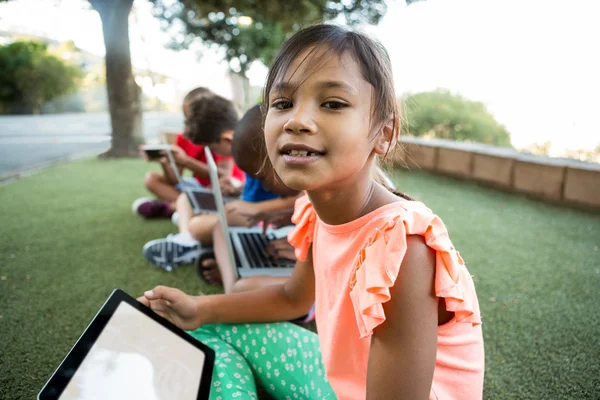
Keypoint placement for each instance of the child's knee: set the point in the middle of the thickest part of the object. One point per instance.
(152, 179)
(201, 226)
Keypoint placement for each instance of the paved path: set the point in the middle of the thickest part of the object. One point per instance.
(32, 141)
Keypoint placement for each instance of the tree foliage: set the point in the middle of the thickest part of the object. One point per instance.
(221, 23)
(442, 114)
(31, 76)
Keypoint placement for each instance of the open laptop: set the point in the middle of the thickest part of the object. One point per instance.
(202, 200)
(128, 352)
(246, 247)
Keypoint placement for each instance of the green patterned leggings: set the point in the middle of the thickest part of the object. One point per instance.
(282, 357)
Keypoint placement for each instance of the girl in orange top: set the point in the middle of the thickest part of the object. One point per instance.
(396, 309)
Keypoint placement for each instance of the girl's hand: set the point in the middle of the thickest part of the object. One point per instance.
(230, 186)
(244, 209)
(281, 248)
(143, 153)
(174, 305)
(275, 219)
(179, 156)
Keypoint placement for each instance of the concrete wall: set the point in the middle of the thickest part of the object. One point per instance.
(558, 180)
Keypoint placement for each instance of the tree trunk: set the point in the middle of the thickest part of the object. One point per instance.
(124, 95)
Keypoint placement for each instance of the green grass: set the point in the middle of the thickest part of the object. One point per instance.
(67, 238)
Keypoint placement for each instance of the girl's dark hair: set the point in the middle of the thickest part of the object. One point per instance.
(197, 93)
(371, 57)
(209, 117)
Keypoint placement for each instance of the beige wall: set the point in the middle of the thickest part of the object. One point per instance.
(424, 157)
(558, 180)
(493, 170)
(455, 162)
(583, 187)
(539, 179)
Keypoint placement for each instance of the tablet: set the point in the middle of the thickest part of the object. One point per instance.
(154, 152)
(129, 352)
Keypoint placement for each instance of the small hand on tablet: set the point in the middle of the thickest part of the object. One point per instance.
(172, 304)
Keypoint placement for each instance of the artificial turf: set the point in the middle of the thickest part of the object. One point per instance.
(68, 237)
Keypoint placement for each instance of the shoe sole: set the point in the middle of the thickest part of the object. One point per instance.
(170, 255)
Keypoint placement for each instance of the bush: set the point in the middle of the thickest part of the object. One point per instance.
(31, 76)
(441, 114)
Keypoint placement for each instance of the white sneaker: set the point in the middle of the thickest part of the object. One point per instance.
(171, 252)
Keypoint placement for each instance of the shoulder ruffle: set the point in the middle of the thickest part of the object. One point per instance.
(378, 264)
(301, 236)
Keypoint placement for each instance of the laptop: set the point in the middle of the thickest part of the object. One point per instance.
(128, 352)
(246, 247)
(202, 200)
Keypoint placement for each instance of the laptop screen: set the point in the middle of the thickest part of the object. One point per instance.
(214, 181)
(137, 358)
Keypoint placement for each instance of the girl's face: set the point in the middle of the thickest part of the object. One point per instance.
(318, 124)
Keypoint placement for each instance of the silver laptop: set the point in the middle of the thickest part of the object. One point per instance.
(202, 200)
(246, 247)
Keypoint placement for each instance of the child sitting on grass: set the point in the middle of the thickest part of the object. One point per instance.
(203, 111)
(262, 193)
(396, 308)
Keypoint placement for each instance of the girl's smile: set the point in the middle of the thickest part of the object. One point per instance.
(300, 154)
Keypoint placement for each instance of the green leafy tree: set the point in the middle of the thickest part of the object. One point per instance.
(254, 30)
(31, 76)
(442, 114)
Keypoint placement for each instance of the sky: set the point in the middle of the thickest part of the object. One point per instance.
(534, 63)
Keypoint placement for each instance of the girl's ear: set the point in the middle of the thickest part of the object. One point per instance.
(387, 138)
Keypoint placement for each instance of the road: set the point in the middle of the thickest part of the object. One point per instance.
(32, 141)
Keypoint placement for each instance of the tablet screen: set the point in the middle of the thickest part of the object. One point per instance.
(137, 358)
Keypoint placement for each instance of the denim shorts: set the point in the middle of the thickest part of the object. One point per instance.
(188, 183)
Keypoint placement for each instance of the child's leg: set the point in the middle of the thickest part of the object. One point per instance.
(220, 270)
(184, 212)
(158, 184)
(201, 227)
(232, 376)
(285, 358)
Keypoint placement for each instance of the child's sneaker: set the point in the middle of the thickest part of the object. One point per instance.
(171, 252)
(150, 208)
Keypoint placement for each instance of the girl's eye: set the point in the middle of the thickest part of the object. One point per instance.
(281, 104)
(334, 105)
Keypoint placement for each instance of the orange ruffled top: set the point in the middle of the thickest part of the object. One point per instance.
(355, 266)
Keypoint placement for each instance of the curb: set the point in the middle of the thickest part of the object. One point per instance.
(12, 176)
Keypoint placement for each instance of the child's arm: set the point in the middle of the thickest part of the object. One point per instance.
(403, 348)
(269, 304)
(168, 170)
(197, 167)
(251, 210)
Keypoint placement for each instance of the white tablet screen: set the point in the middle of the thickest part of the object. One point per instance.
(137, 358)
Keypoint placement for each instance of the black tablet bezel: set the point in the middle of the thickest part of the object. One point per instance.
(67, 368)
(154, 154)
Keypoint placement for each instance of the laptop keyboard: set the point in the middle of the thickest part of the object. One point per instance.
(255, 245)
